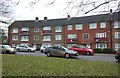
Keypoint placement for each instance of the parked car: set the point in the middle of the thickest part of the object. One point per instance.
(42, 48)
(117, 55)
(60, 51)
(25, 48)
(7, 49)
(81, 49)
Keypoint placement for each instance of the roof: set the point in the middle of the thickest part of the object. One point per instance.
(65, 21)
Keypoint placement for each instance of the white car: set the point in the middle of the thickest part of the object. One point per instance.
(25, 48)
(42, 48)
(7, 49)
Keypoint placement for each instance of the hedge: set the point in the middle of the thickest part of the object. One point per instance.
(105, 50)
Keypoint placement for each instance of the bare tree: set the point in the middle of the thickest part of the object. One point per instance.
(84, 6)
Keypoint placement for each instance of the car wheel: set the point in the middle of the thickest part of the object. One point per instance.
(8, 52)
(29, 50)
(41, 51)
(67, 55)
(48, 54)
(18, 50)
(87, 53)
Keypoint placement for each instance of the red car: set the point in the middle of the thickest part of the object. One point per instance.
(82, 50)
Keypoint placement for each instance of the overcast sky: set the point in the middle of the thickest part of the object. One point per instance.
(24, 12)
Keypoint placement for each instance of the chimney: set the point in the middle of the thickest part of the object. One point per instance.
(36, 18)
(45, 18)
(68, 16)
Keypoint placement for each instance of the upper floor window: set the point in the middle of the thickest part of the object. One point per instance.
(103, 25)
(58, 37)
(58, 28)
(86, 36)
(78, 26)
(117, 46)
(117, 24)
(15, 30)
(36, 29)
(47, 28)
(36, 37)
(24, 38)
(46, 38)
(101, 35)
(71, 36)
(92, 25)
(25, 29)
(14, 37)
(117, 35)
(69, 27)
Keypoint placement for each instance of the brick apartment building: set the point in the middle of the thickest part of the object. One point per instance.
(97, 31)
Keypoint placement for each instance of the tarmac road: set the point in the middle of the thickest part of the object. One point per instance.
(95, 57)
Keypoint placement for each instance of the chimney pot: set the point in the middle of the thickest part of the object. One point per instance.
(36, 18)
(45, 18)
(68, 16)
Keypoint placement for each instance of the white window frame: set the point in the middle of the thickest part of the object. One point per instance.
(84, 36)
(101, 45)
(78, 26)
(117, 46)
(15, 30)
(14, 38)
(46, 38)
(36, 37)
(92, 25)
(47, 28)
(24, 38)
(69, 27)
(102, 24)
(25, 29)
(116, 24)
(58, 28)
(101, 35)
(14, 45)
(117, 35)
(58, 37)
(72, 36)
(36, 29)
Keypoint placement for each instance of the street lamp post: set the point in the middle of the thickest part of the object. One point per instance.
(111, 21)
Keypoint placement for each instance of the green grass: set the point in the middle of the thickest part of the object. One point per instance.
(19, 65)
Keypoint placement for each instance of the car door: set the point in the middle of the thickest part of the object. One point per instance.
(25, 48)
(54, 50)
(78, 49)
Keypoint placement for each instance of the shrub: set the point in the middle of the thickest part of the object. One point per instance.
(105, 50)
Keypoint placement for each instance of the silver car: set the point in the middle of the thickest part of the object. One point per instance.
(60, 51)
(7, 49)
(25, 48)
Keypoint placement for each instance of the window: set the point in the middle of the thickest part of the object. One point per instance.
(117, 24)
(24, 29)
(58, 29)
(46, 38)
(72, 36)
(15, 30)
(14, 37)
(103, 25)
(47, 28)
(47, 44)
(101, 35)
(117, 46)
(36, 29)
(14, 45)
(36, 37)
(24, 38)
(92, 25)
(117, 35)
(101, 45)
(78, 26)
(69, 27)
(58, 37)
(85, 36)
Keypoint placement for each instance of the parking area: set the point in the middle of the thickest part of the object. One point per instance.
(95, 57)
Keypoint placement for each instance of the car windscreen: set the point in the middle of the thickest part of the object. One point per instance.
(7, 46)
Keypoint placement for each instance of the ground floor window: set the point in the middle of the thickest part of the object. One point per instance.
(47, 44)
(117, 46)
(14, 45)
(101, 45)
(70, 45)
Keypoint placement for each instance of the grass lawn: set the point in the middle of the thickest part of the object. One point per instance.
(21, 65)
